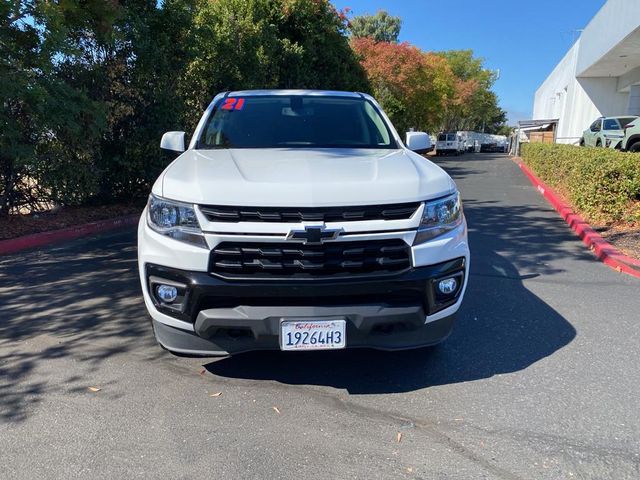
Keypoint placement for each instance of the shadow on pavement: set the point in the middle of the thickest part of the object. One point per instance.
(78, 302)
(502, 327)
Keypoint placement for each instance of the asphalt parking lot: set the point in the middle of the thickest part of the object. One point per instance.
(539, 380)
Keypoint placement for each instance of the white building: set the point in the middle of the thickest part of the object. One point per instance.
(599, 76)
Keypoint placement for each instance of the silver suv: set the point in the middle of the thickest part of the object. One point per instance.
(605, 131)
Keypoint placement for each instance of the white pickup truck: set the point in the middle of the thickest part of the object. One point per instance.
(300, 220)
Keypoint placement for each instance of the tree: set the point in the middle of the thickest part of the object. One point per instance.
(380, 27)
(243, 44)
(474, 106)
(411, 85)
(136, 76)
(43, 115)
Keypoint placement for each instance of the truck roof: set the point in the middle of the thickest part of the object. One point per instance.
(326, 93)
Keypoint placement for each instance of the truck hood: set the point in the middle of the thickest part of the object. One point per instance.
(302, 177)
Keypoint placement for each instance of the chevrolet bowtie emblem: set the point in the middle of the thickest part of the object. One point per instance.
(314, 235)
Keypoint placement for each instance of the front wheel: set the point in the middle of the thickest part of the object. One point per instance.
(599, 143)
(635, 148)
(582, 144)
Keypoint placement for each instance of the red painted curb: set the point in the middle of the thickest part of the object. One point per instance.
(14, 245)
(603, 250)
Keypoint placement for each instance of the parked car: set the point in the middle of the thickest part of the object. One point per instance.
(300, 220)
(449, 143)
(630, 142)
(605, 131)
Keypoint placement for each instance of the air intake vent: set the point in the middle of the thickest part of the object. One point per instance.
(291, 260)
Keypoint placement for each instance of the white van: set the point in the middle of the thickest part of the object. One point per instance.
(449, 142)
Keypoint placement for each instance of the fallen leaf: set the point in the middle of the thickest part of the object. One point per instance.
(399, 437)
(94, 389)
(409, 470)
(203, 371)
(217, 394)
(277, 410)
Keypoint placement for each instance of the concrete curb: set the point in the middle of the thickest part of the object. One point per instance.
(604, 251)
(14, 245)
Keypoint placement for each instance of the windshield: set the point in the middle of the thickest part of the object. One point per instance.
(295, 121)
(447, 137)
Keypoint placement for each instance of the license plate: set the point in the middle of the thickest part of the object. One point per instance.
(312, 334)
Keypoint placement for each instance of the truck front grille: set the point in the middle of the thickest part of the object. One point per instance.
(291, 260)
(226, 214)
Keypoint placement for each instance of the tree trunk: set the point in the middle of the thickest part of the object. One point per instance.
(7, 185)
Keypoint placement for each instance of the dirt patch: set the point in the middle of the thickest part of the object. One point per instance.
(625, 238)
(15, 226)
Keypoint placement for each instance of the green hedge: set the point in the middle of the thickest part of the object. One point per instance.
(603, 184)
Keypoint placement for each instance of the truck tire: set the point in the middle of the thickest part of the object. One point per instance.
(635, 148)
(582, 144)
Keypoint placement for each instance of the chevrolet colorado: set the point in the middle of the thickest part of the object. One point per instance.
(300, 220)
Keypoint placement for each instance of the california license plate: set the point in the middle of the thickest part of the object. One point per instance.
(312, 334)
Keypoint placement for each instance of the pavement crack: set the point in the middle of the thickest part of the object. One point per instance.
(536, 439)
(429, 428)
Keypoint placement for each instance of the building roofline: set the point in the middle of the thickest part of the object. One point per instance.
(533, 123)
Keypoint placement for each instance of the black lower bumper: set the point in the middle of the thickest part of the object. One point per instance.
(182, 341)
(238, 316)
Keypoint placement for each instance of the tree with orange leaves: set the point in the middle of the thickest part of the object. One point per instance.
(428, 91)
(412, 86)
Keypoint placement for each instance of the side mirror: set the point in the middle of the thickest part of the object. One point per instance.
(418, 142)
(173, 141)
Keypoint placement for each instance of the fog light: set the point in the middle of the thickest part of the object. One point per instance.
(167, 293)
(448, 286)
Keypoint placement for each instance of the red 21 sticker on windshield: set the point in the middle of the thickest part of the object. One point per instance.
(233, 104)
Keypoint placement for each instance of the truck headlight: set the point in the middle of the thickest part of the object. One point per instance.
(175, 219)
(439, 216)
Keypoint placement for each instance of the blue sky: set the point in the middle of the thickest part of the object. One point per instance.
(524, 39)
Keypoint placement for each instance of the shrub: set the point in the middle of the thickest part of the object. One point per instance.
(603, 184)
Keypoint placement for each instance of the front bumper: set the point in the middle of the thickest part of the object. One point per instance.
(216, 316)
(236, 316)
(182, 341)
(446, 150)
